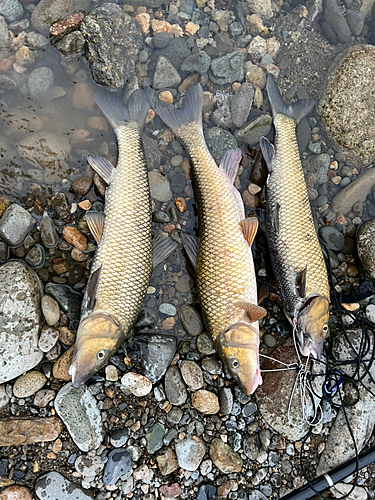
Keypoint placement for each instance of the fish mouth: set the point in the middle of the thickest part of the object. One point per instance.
(77, 380)
(250, 385)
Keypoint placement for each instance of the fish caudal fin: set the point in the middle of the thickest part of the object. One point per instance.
(296, 111)
(162, 247)
(118, 113)
(191, 111)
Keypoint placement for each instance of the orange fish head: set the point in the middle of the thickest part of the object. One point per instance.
(239, 349)
(312, 326)
(98, 337)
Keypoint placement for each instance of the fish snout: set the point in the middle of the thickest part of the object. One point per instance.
(249, 385)
(77, 381)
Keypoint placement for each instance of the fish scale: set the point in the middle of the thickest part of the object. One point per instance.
(296, 245)
(225, 270)
(125, 251)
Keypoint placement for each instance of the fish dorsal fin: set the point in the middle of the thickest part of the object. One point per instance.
(268, 152)
(249, 228)
(301, 283)
(91, 289)
(276, 219)
(95, 221)
(230, 163)
(190, 243)
(162, 247)
(102, 166)
(255, 312)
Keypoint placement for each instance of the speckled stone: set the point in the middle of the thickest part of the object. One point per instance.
(28, 384)
(119, 464)
(50, 309)
(366, 246)
(15, 225)
(192, 374)
(16, 492)
(225, 459)
(174, 386)
(137, 384)
(205, 401)
(48, 484)
(190, 453)
(48, 338)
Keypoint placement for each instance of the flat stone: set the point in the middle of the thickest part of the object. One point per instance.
(24, 430)
(256, 128)
(190, 320)
(357, 190)
(205, 401)
(225, 459)
(190, 453)
(174, 386)
(119, 464)
(47, 485)
(48, 338)
(167, 462)
(154, 437)
(228, 68)
(28, 384)
(15, 225)
(241, 104)
(20, 320)
(44, 149)
(160, 187)
(43, 397)
(166, 74)
(78, 410)
(137, 384)
(192, 374)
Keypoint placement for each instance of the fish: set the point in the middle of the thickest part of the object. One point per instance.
(126, 253)
(222, 256)
(296, 256)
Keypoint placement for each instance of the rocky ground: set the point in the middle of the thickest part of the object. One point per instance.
(164, 419)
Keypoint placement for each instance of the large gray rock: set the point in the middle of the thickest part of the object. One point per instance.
(166, 75)
(20, 320)
(47, 12)
(12, 10)
(15, 225)
(351, 129)
(228, 68)
(113, 42)
(54, 486)
(366, 246)
(361, 416)
(241, 104)
(44, 149)
(78, 410)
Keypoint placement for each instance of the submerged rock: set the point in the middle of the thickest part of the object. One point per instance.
(241, 104)
(219, 141)
(44, 149)
(256, 128)
(113, 42)
(15, 225)
(79, 412)
(47, 12)
(20, 320)
(351, 130)
(166, 75)
(355, 191)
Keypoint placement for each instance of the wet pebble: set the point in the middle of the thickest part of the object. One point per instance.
(74, 236)
(161, 40)
(205, 401)
(256, 128)
(15, 225)
(43, 397)
(206, 492)
(332, 238)
(226, 400)
(241, 104)
(184, 284)
(111, 373)
(225, 459)
(212, 366)
(119, 437)
(40, 82)
(35, 257)
(78, 410)
(160, 187)
(66, 336)
(165, 74)
(269, 340)
(137, 384)
(48, 338)
(48, 232)
(190, 453)
(160, 217)
(12, 10)
(82, 185)
(167, 462)
(175, 389)
(119, 464)
(28, 384)
(167, 309)
(154, 437)
(190, 320)
(196, 63)
(192, 374)
(204, 343)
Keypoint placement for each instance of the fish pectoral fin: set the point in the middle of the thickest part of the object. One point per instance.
(263, 293)
(276, 219)
(301, 283)
(102, 166)
(249, 229)
(162, 247)
(91, 289)
(190, 243)
(268, 152)
(95, 221)
(230, 163)
(255, 312)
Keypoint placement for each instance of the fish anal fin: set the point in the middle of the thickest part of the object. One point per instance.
(301, 283)
(230, 163)
(254, 311)
(249, 228)
(190, 243)
(102, 166)
(162, 247)
(268, 152)
(91, 289)
(95, 221)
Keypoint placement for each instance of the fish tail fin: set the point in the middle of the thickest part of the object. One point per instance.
(191, 111)
(296, 110)
(118, 113)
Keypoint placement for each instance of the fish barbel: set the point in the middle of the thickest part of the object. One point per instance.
(224, 264)
(123, 263)
(296, 255)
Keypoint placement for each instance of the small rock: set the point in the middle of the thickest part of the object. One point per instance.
(28, 384)
(170, 491)
(212, 366)
(154, 437)
(357, 190)
(160, 187)
(241, 104)
(48, 338)
(319, 166)
(252, 131)
(332, 238)
(165, 75)
(341, 489)
(334, 25)
(120, 437)
(4, 398)
(167, 462)
(219, 141)
(119, 464)
(47, 485)
(174, 386)
(196, 63)
(15, 225)
(257, 48)
(66, 336)
(228, 68)
(74, 236)
(205, 401)
(12, 10)
(161, 39)
(40, 82)
(78, 410)
(17, 431)
(167, 309)
(225, 459)
(50, 310)
(137, 384)
(192, 374)
(111, 373)
(82, 185)
(190, 453)
(226, 400)
(190, 320)
(35, 257)
(16, 492)
(48, 232)
(43, 397)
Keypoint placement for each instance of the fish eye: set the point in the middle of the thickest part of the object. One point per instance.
(234, 363)
(101, 355)
(325, 328)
